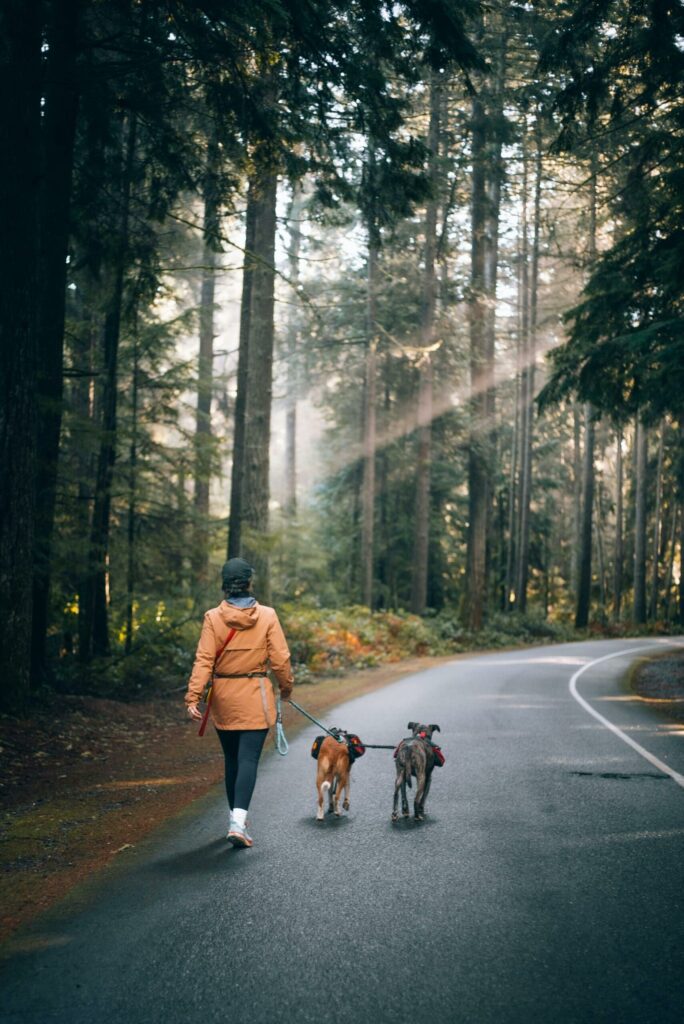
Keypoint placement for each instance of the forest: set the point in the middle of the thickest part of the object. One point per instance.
(386, 298)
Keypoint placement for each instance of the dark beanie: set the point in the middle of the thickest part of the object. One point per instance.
(236, 574)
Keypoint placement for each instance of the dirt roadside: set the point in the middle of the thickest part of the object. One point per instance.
(85, 779)
(659, 680)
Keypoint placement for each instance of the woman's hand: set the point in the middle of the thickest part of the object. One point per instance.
(194, 712)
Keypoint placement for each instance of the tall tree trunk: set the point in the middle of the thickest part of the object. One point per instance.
(495, 175)
(584, 578)
(670, 562)
(641, 443)
(87, 465)
(421, 535)
(512, 496)
(256, 487)
(97, 592)
(617, 578)
(205, 376)
(369, 413)
(20, 73)
(599, 549)
(383, 542)
(295, 215)
(530, 358)
(58, 136)
(584, 581)
(681, 573)
(576, 497)
(369, 428)
(480, 381)
(238, 467)
(656, 523)
(132, 499)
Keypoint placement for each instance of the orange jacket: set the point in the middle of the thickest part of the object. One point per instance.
(241, 703)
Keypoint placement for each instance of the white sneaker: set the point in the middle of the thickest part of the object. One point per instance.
(239, 836)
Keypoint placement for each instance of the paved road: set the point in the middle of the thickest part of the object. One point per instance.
(546, 885)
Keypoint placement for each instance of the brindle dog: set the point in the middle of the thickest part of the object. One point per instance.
(415, 756)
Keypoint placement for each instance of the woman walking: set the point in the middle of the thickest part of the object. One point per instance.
(239, 638)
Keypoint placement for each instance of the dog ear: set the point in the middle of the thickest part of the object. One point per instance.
(435, 728)
(412, 725)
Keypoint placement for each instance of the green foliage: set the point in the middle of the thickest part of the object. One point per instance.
(334, 640)
(626, 347)
(501, 630)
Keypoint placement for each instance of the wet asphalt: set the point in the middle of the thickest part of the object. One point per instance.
(546, 885)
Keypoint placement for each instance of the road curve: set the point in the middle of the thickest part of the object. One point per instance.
(546, 884)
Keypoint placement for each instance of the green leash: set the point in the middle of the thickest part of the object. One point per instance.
(281, 744)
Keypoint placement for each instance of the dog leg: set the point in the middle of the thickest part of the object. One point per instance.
(397, 784)
(404, 798)
(325, 785)
(420, 793)
(428, 781)
(347, 789)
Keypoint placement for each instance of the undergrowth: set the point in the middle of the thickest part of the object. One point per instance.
(323, 642)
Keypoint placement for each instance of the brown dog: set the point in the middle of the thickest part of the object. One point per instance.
(333, 776)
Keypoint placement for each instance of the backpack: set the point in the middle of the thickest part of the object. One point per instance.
(355, 747)
(439, 756)
(316, 747)
(437, 751)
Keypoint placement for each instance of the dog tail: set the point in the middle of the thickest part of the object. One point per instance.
(325, 786)
(407, 775)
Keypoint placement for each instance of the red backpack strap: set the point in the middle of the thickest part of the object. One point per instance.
(230, 636)
(205, 719)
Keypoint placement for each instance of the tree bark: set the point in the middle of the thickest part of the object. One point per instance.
(256, 488)
(670, 562)
(20, 43)
(641, 442)
(584, 576)
(599, 550)
(681, 569)
(421, 535)
(97, 590)
(369, 429)
(508, 603)
(369, 413)
(238, 466)
(480, 381)
(530, 358)
(584, 580)
(656, 523)
(58, 135)
(617, 578)
(295, 215)
(576, 497)
(205, 376)
(86, 406)
(494, 170)
(132, 500)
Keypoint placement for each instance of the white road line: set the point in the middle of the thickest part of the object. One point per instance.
(651, 758)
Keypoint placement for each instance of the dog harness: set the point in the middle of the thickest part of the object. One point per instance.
(436, 750)
(355, 748)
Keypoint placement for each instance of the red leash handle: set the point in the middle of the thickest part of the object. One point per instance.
(205, 718)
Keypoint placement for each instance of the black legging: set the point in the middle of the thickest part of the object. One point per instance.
(242, 750)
